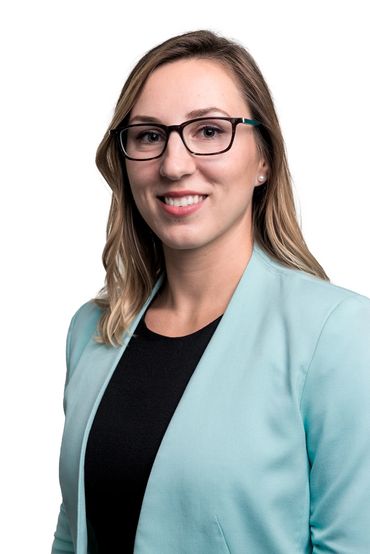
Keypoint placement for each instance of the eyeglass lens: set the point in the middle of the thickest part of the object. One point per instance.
(201, 137)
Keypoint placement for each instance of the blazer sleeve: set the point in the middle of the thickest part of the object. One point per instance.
(335, 407)
(62, 537)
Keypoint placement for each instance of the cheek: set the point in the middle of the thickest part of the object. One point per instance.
(140, 183)
(238, 165)
(236, 179)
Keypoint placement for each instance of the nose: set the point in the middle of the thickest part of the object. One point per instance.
(176, 161)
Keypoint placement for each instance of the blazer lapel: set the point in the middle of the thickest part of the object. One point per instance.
(83, 393)
(190, 448)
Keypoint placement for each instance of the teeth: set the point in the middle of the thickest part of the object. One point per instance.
(184, 200)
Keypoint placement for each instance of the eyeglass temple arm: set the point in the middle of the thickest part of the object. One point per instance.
(254, 122)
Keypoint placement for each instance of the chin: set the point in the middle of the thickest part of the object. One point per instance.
(181, 244)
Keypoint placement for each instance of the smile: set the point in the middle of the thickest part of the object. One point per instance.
(183, 200)
(182, 206)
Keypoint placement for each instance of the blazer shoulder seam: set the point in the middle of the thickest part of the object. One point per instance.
(352, 297)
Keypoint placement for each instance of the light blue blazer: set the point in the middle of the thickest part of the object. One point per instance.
(268, 451)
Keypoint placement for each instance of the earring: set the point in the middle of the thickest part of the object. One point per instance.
(261, 178)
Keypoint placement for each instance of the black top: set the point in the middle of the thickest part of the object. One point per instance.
(128, 428)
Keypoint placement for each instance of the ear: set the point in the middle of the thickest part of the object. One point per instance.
(262, 173)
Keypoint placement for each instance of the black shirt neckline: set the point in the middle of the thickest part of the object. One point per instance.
(144, 331)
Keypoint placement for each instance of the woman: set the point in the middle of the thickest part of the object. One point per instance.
(217, 390)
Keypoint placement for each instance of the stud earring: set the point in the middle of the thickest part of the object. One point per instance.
(261, 178)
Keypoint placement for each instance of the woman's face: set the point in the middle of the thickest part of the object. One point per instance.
(224, 183)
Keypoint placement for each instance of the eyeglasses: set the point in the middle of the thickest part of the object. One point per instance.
(203, 136)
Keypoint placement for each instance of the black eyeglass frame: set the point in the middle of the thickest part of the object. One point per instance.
(117, 132)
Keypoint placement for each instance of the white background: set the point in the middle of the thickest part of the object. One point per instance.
(64, 64)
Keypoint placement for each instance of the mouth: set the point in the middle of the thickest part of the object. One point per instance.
(183, 201)
(181, 205)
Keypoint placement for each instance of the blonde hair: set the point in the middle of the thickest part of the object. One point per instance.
(133, 256)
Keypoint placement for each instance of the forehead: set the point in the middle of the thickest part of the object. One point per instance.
(176, 88)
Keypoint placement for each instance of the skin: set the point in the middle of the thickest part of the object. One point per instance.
(205, 252)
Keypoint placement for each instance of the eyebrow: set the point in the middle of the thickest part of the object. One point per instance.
(194, 113)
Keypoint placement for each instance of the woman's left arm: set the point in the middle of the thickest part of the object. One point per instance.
(336, 411)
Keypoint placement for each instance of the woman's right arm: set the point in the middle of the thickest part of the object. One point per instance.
(62, 537)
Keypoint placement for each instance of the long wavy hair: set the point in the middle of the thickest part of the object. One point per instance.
(133, 255)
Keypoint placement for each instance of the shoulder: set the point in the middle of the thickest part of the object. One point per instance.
(86, 317)
(337, 382)
(301, 291)
(83, 325)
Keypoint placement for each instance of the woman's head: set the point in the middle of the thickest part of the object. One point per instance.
(195, 70)
(220, 185)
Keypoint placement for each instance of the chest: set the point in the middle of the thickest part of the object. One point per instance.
(235, 443)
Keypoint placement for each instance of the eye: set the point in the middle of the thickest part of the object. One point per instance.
(209, 131)
(149, 137)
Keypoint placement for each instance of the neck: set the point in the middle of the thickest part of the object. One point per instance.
(203, 280)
